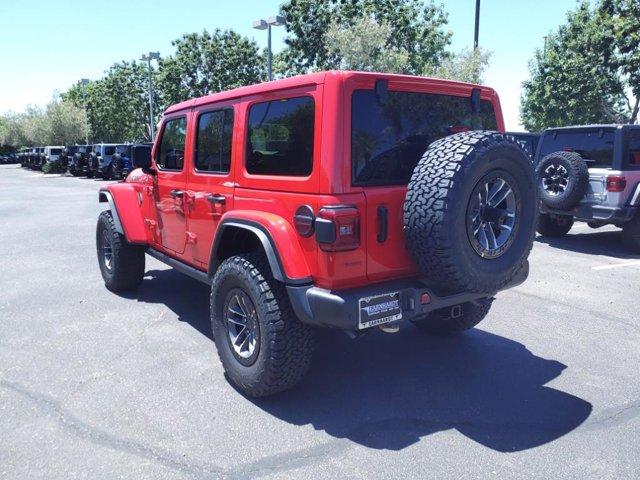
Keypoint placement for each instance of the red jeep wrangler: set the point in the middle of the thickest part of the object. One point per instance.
(337, 199)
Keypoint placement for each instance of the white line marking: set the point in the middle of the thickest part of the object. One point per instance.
(616, 265)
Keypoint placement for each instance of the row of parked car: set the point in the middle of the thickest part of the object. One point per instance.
(105, 160)
(8, 158)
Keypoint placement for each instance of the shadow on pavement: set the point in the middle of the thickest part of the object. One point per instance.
(607, 243)
(388, 391)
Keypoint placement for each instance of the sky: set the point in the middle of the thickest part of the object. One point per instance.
(47, 45)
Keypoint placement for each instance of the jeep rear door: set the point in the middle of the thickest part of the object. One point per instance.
(171, 179)
(210, 188)
(388, 137)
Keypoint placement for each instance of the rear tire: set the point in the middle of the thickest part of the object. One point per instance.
(552, 225)
(631, 234)
(455, 319)
(121, 263)
(282, 345)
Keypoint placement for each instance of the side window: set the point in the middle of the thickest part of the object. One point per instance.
(170, 154)
(280, 138)
(213, 143)
(634, 150)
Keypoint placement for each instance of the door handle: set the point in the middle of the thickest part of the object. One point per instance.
(217, 198)
(383, 224)
(176, 193)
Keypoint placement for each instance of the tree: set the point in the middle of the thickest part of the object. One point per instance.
(622, 17)
(364, 47)
(118, 103)
(416, 28)
(465, 66)
(59, 123)
(207, 63)
(580, 77)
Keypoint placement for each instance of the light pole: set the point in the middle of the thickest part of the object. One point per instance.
(83, 83)
(477, 28)
(147, 58)
(276, 21)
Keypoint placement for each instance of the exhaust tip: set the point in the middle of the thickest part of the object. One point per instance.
(393, 327)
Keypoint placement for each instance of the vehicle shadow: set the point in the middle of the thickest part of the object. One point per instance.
(608, 243)
(388, 391)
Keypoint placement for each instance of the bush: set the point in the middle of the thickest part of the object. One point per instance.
(52, 167)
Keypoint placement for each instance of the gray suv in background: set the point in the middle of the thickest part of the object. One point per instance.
(590, 174)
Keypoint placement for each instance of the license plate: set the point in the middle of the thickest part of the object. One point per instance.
(379, 309)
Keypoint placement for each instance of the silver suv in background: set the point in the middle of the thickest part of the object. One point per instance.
(590, 174)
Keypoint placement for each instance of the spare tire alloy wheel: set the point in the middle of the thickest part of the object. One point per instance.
(493, 214)
(555, 179)
(243, 330)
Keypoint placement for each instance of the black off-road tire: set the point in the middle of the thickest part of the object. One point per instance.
(285, 345)
(127, 261)
(631, 234)
(552, 225)
(436, 211)
(455, 319)
(577, 174)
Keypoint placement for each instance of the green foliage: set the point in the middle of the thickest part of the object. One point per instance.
(207, 63)
(416, 29)
(583, 75)
(53, 167)
(118, 103)
(364, 46)
(465, 66)
(59, 123)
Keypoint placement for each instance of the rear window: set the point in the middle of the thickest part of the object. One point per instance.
(388, 140)
(109, 150)
(594, 146)
(123, 149)
(280, 138)
(56, 151)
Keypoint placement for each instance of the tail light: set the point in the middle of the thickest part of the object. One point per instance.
(338, 228)
(616, 183)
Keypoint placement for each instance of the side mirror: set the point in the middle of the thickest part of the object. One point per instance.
(141, 157)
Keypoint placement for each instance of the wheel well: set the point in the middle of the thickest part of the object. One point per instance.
(234, 241)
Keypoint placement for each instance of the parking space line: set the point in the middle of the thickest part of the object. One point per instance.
(617, 265)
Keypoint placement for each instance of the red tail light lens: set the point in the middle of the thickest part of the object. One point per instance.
(616, 183)
(338, 228)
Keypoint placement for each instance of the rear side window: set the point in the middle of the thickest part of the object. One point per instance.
(634, 150)
(388, 140)
(171, 151)
(594, 146)
(280, 138)
(213, 144)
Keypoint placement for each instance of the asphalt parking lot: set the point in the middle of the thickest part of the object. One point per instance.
(97, 385)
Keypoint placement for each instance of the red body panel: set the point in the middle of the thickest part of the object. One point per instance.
(186, 228)
(128, 199)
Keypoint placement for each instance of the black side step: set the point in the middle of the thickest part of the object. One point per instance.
(181, 267)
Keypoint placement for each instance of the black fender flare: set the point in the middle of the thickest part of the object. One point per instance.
(268, 245)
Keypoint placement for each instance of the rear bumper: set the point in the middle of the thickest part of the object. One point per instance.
(601, 214)
(341, 309)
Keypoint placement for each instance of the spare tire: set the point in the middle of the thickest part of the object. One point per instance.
(563, 179)
(470, 212)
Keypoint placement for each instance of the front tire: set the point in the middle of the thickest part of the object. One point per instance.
(552, 225)
(121, 263)
(455, 319)
(263, 347)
